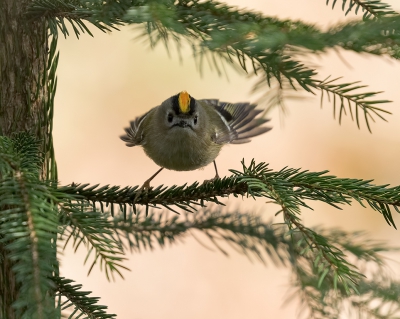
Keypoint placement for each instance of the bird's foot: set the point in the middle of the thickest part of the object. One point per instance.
(145, 187)
(207, 181)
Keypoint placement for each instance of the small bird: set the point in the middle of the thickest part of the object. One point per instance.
(185, 134)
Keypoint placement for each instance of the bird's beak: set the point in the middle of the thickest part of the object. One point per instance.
(183, 124)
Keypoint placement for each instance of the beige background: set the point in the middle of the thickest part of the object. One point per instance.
(110, 79)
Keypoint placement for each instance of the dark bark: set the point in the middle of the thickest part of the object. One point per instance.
(23, 56)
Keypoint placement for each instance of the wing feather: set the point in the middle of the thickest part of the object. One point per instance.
(134, 133)
(241, 122)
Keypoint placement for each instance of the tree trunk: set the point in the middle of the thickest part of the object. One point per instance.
(23, 103)
(23, 56)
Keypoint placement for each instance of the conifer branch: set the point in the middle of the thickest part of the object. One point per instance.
(321, 301)
(297, 186)
(329, 262)
(318, 258)
(50, 165)
(58, 12)
(187, 197)
(245, 233)
(85, 226)
(28, 225)
(322, 273)
(256, 180)
(378, 37)
(246, 40)
(262, 43)
(82, 303)
(358, 101)
(371, 8)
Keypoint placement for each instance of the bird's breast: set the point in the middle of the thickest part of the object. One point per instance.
(181, 149)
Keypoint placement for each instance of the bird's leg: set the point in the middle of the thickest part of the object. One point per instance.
(215, 177)
(216, 171)
(146, 184)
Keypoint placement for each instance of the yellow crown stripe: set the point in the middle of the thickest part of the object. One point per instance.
(184, 102)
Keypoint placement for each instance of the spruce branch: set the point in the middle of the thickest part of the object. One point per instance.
(257, 180)
(289, 188)
(297, 186)
(323, 293)
(343, 96)
(318, 258)
(245, 233)
(51, 85)
(378, 298)
(184, 197)
(371, 8)
(378, 37)
(28, 225)
(263, 44)
(329, 262)
(249, 235)
(360, 102)
(83, 305)
(321, 301)
(83, 225)
(58, 12)
(250, 41)
(358, 245)
(25, 147)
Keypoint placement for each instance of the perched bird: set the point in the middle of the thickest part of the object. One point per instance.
(185, 134)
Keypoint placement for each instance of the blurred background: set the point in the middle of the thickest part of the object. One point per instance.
(106, 81)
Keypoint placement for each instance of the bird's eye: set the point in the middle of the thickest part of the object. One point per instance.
(195, 120)
(170, 117)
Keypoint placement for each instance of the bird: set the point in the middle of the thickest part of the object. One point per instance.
(184, 134)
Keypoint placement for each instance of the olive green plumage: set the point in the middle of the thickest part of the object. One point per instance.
(185, 134)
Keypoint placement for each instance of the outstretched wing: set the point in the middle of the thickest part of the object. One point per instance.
(240, 121)
(134, 133)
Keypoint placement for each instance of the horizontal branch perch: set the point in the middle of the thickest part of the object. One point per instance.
(292, 186)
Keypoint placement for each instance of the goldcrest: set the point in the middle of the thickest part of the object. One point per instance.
(185, 134)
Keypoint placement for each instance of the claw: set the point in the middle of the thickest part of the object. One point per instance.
(146, 185)
(206, 181)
